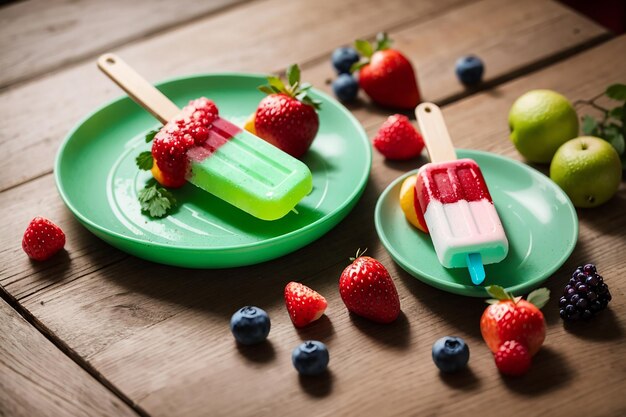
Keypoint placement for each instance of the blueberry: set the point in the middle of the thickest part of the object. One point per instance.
(345, 87)
(450, 354)
(250, 325)
(343, 58)
(310, 358)
(469, 69)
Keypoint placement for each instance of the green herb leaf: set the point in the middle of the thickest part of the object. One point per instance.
(276, 83)
(150, 135)
(293, 74)
(144, 160)
(266, 89)
(589, 125)
(156, 200)
(382, 41)
(617, 140)
(364, 48)
(617, 92)
(617, 113)
(499, 293)
(539, 297)
(358, 65)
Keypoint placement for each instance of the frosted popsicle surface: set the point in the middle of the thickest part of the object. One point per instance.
(459, 213)
(248, 172)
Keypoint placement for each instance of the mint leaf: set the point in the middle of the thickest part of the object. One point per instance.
(156, 200)
(617, 92)
(364, 48)
(589, 126)
(293, 74)
(539, 297)
(150, 135)
(144, 160)
(499, 293)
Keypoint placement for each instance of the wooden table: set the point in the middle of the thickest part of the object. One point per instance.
(95, 331)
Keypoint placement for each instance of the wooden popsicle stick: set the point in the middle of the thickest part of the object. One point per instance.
(140, 90)
(435, 133)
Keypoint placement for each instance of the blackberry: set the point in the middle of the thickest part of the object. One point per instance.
(584, 295)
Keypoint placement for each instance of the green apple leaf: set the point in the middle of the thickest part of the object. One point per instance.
(589, 126)
(617, 92)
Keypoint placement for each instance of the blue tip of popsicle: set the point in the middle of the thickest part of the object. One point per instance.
(476, 268)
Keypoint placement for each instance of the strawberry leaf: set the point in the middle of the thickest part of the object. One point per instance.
(358, 65)
(276, 84)
(144, 161)
(266, 89)
(539, 297)
(499, 293)
(293, 74)
(156, 200)
(364, 48)
(150, 135)
(382, 41)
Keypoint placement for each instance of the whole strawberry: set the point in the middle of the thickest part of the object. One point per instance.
(303, 304)
(42, 239)
(287, 117)
(386, 75)
(398, 139)
(512, 318)
(367, 290)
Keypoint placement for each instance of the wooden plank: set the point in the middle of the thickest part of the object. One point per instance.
(37, 379)
(37, 36)
(161, 334)
(509, 40)
(69, 95)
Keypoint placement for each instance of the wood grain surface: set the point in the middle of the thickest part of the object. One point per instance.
(160, 334)
(36, 379)
(68, 96)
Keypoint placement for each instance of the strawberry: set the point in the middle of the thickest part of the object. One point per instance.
(398, 139)
(509, 318)
(367, 290)
(171, 143)
(287, 117)
(386, 75)
(303, 304)
(42, 239)
(513, 358)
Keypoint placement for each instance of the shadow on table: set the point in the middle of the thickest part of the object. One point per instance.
(322, 330)
(465, 380)
(602, 328)
(261, 353)
(396, 335)
(317, 385)
(548, 372)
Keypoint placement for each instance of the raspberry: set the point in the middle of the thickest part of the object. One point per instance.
(513, 358)
(585, 295)
(42, 239)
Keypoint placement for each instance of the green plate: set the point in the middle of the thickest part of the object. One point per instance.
(538, 218)
(97, 178)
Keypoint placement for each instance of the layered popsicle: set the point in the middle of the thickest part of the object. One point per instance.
(200, 147)
(197, 145)
(456, 204)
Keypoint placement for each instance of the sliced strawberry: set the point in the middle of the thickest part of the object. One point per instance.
(303, 304)
(42, 239)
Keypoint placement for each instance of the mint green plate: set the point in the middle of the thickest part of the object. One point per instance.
(538, 218)
(98, 181)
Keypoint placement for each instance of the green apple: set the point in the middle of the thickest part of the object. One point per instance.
(540, 121)
(588, 169)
